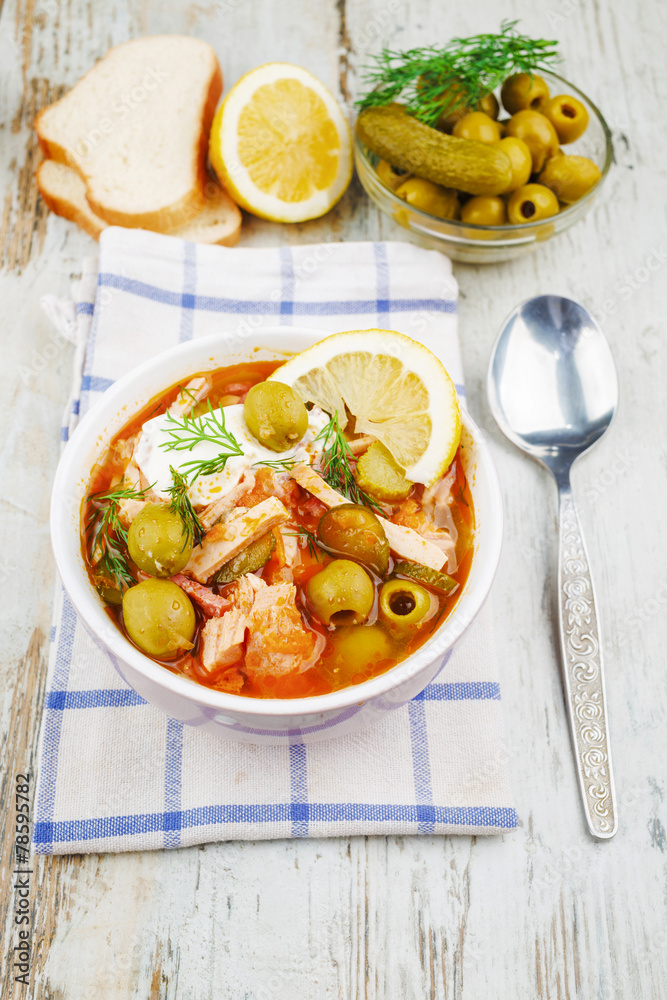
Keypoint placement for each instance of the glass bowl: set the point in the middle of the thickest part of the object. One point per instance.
(492, 244)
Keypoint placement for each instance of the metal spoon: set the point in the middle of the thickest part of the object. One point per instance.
(553, 390)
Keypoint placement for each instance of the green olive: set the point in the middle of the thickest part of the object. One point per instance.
(404, 604)
(489, 105)
(477, 126)
(275, 415)
(531, 203)
(157, 541)
(378, 474)
(522, 91)
(355, 651)
(520, 158)
(429, 197)
(341, 594)
(538, 134)
(484, 210)
(568, 116)
(391, 177)
(159, 618)
(570, 177)
(353, 530)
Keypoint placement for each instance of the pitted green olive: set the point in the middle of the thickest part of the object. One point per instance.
(570, 177)
(520, 158)
(477, 126)
(391, 177)
(568, 116)
(353, 530)
(157, 541)
(484, 210)
(354, 652)
(538, 134)
(522, 91)
(159, 618)
(429, 197)
(404, 604)
(531, 203)
(341, 594)
(275, 415)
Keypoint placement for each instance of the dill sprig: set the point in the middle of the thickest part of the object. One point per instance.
(279, 465)
(466, 69)
(108, 536)
(307, 539)
(181, 505)
(335, 464)
(186, 432)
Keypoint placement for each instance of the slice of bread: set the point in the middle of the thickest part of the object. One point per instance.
(65, 193)
(135, 128)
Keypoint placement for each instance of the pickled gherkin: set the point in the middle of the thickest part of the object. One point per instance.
(424, 574)
(464, 164)
(252, 558)
(378, 474)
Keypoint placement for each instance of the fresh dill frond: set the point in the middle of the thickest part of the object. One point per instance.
(279, 465)
(181, 505)
(335, 465)
(107, 535)
(206, 466)
(307, 539)
(465, 70)
(186, 432)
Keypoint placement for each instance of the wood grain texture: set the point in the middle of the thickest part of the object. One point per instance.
(543, 912)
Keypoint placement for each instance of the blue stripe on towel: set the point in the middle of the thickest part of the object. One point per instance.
(71, 831)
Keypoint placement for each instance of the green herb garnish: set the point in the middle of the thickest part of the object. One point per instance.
(307, 539)
(335, 465)
(187, 432)
(279, 465)
(108, 536)
(181, 505)
(466, 69)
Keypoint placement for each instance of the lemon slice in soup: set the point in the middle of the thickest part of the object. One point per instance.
(395, 389)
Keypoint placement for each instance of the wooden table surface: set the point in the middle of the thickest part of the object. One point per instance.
(543, 911)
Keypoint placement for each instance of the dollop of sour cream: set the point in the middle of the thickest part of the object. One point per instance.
(154, 457)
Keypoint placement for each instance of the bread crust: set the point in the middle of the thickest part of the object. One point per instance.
(62, 205)
(67, 209)
(161, 220)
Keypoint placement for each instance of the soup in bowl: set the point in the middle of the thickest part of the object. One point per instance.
(257, 565)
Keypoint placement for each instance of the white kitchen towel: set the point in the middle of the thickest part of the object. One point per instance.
(115, 774)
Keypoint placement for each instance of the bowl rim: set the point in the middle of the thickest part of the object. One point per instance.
(72, 470)
(363, 152)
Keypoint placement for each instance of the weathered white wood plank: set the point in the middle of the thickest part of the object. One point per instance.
(543, 912)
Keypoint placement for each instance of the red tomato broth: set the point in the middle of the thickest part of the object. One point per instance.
(306, 511)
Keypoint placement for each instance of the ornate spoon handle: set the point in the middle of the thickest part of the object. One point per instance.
(583, 676)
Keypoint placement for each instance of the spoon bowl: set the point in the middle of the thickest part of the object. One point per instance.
(552, 381)
(553, 390)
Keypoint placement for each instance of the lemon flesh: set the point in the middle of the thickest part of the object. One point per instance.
(281, 145)
(393, 387)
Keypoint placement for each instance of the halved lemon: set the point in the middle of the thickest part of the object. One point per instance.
(281, 145)
(394, 387)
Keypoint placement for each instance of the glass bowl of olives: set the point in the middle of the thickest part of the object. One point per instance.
(560, 151)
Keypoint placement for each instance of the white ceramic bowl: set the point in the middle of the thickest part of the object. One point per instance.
(249, 719)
